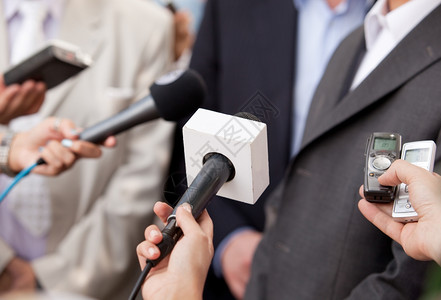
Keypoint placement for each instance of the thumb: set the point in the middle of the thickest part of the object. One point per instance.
(185, 219)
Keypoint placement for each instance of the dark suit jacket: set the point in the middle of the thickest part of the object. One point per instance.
(245, 53)
(319, 245)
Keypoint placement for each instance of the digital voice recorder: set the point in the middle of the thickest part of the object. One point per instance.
(422, 154)
(382, 149)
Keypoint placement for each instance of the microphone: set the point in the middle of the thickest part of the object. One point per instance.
(172, 97)
(241, 139)
(230, 160)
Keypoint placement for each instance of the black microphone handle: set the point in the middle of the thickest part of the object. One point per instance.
(216, 170)
(139, 112)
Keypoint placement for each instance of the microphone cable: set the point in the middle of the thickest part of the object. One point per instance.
(140, 280)
(23, 173)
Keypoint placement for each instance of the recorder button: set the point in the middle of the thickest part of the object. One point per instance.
(381, 163)
(404, 190)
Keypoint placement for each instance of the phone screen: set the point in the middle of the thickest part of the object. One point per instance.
(385, 144)
(417, 155)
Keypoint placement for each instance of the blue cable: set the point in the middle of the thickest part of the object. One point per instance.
(17, 178)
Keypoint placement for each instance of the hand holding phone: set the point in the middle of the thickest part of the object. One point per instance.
(20, 100)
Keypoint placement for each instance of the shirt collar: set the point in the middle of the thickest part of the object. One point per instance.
(56, 8)
(340, 9)
(399, 22)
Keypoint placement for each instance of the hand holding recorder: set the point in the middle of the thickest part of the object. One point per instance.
(420, 240)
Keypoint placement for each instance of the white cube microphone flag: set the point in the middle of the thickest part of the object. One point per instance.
(242, 141)
(224, 155)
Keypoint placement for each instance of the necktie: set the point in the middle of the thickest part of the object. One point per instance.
(31, 34)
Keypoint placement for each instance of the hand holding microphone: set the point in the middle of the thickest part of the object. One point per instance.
(54, 141)
(44, 141)
(191, 256)
(229, 156)
(173, 96)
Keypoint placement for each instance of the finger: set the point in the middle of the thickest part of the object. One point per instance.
(33, 103)
(68, 129)
(162, 210)
(83, 148)
(146, 250)
(206, 224)
(7, 96)
(361, 191)
(26, 97)
(53, 165)
(185, 219)
(110, 142)
(62, 153)
(380, 219)
(153, 234)
(401, 171)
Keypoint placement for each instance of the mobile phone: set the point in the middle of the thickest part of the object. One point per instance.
(382, 149)
(52, 65)
(422, 154)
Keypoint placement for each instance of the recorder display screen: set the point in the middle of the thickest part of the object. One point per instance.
(417, 155)
(385, 144)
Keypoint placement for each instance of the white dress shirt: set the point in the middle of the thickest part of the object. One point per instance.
(384, 29)
(320, 31)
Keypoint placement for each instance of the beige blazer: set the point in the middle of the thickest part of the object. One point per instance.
(101, 206)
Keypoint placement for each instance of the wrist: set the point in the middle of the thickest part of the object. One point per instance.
(191, 291)
(5, 154)
(434, 244)
(220, 250)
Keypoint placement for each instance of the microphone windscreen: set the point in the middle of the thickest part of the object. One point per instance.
(178, 94)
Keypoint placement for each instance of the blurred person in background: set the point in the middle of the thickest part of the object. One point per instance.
(265, 58)
(76, 232)
(187, 16)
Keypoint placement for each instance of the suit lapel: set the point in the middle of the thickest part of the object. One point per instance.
(416, 52)
(80, 26)
(334, 83)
